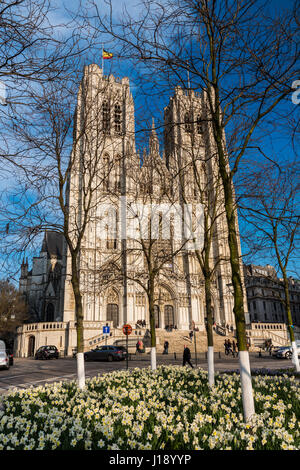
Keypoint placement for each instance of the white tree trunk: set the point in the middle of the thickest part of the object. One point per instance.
(153, 358)
(295, 359)
(80, 371)
(211, 366)
(246, 384)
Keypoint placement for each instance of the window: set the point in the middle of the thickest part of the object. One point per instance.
(199, 125)
(106, 173)
(118, 173)
(188, 122)
(118, 119)
(112, 314)
(105, 117)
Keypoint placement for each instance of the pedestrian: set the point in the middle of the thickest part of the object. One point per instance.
(137, 347)
(166, 347)
(187, 357)
(234, 352)
(226, 347)
(229, 346)
(270, 347)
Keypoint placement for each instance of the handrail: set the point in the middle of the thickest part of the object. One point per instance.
(268, 334)
(219, 329)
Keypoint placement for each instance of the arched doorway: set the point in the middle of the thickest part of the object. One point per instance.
(156, 316)
(50, 313)
(31, 345)
(112, 314)
(169, 315)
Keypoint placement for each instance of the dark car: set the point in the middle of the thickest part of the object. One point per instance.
(106, 353)
(47, 352)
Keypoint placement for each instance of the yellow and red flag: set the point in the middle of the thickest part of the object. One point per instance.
(106, 55)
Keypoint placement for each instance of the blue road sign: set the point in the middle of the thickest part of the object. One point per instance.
(106, 330)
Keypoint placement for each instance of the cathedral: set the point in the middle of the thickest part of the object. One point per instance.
(109, 186)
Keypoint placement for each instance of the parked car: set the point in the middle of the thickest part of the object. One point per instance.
(123, 349)
(47, 352)
(106, 353)
(4, 359)
(285, 352)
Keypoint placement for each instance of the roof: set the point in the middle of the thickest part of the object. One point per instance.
(53, 244)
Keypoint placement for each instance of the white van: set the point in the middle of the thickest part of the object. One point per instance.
(4, 359)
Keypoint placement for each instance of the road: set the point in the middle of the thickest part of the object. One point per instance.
(28, 372)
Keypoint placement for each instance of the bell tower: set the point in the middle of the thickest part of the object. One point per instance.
(103, 158)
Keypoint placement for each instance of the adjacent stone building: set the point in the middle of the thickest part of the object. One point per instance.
(265, 294)
(122, 179)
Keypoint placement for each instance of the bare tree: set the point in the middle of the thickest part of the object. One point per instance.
(13, 309)
(270, 206)
(60, 165)
(151, 246)
(211, 257)
(236, 52)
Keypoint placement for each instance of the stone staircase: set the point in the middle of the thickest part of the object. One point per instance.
(177, 339)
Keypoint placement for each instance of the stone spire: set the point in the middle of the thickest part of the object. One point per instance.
(153, 140)
(144, 158)
(24, 268)
(44, 245)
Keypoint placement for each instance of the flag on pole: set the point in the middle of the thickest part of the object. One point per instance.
(106, 55)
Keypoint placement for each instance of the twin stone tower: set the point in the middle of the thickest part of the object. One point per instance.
(133, 207)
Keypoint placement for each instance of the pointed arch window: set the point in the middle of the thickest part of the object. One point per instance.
(118, 173)
(112, 232)
(118, 118)
(105, 117)
(188, 122)
(106, 172)
(199, 125)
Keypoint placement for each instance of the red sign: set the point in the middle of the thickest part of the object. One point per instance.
(127, 329)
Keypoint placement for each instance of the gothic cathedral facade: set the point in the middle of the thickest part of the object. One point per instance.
(109, 179)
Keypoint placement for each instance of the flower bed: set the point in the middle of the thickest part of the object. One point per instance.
(171, 408)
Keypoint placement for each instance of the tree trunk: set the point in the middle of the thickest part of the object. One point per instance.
(209, 329)
(152, 322)
(238, 309)
(295, 358)
(79, 323)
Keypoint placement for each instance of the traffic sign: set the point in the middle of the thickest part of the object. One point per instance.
(106, 330)
(127, 329)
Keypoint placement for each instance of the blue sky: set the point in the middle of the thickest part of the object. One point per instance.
(147, 107)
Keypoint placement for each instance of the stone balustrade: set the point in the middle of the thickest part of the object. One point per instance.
(268, 326)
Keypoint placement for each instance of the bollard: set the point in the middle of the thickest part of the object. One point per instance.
(219, 355)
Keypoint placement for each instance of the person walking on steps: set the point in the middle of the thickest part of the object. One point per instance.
(187, 357)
